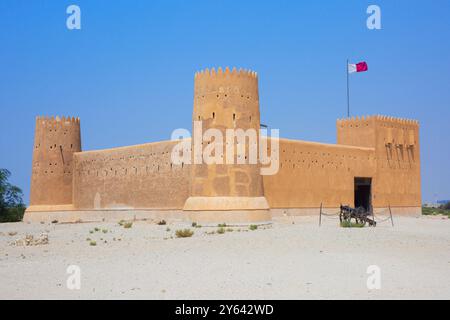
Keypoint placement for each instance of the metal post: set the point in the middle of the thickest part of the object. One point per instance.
(390, 213)
(348, 92)
(320, 215)
(373, 215)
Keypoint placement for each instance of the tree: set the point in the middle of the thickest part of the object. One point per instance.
(446, 206)
(11, 204)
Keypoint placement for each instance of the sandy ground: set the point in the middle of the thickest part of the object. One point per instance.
(292, 259)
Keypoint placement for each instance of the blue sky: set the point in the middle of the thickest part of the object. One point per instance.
(128, 73)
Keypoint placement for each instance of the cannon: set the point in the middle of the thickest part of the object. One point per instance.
(360, 215)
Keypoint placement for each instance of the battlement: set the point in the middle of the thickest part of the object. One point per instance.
(241, 73)
(231, 81)
(356, 121)
(57, 120)
(377, 130)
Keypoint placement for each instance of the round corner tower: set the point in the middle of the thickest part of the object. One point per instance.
(226, 191)
(55, 142)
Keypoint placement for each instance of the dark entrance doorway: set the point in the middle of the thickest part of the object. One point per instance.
(363, 193)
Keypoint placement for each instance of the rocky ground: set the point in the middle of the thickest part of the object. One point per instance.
(291, 259)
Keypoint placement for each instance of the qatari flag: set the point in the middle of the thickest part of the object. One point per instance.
(359, 67)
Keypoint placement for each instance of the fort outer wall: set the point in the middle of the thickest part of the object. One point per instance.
(133, 182)
(130, 178)
(311, 174)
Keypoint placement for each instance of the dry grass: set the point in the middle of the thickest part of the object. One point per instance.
(184, 233)
(128, 225)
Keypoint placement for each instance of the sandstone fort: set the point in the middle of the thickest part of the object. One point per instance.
(375, 164)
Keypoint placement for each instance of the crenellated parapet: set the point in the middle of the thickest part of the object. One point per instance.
(58, 120)
(354, 121)
(242, 82)
(226, 98)
(377, 131)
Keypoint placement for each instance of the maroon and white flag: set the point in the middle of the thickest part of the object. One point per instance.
(359, 67)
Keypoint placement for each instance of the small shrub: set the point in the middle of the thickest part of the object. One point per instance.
(349, 224)
(222, 225)
(96, 229)
(93, 243)
(185, 233)
(121, 222)
(162, 222)
(221, 230)
(105, 230)
(167, 229)
(230, 230)
(253, 227)
(128, 225)
(194, 224)
(55, 221)
(91, 231)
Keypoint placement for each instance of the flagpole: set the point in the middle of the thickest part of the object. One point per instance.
(348, 92)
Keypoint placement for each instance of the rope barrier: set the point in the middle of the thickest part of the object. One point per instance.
(383, 220)
(332, 217)
(385, 210)
(330, 214)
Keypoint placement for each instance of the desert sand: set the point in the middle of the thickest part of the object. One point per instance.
(293, 258)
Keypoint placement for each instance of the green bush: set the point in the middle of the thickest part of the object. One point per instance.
(253, 227)
(435, 211)
(349, 224)
(221, 230)
(14, 214)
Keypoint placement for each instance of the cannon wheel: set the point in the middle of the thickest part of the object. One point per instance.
(361, 216)
(361, 220)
